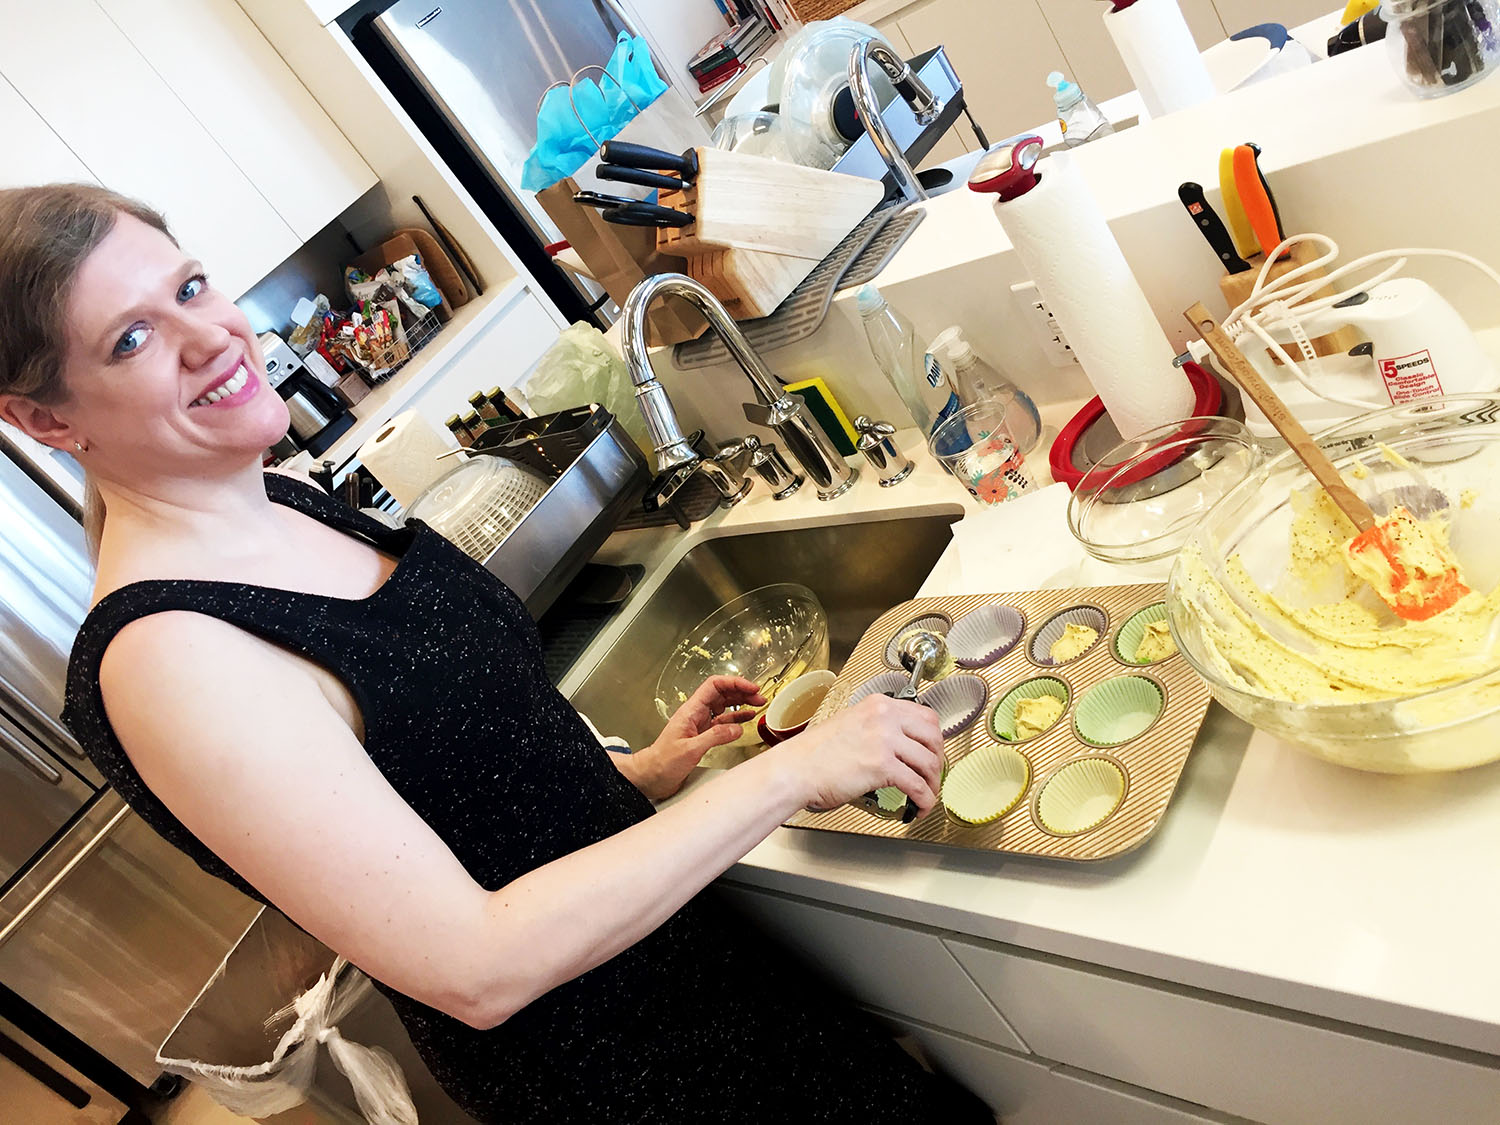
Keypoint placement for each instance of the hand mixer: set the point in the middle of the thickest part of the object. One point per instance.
(1417, 345)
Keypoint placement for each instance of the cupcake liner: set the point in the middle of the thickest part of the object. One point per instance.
(985, 635)
(987, 784)
(1048, 635)
(1003, 717)
(878, 684)
(936, 623)
(1128, 639)
(958, 700)
(1118, 710)
(1080, 796)
(890, 799)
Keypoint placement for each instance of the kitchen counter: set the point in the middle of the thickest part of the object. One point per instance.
(1274, 877)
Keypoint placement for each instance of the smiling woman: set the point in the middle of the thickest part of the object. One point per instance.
(298, 697)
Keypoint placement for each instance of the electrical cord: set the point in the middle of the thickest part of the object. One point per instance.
(1282, 303)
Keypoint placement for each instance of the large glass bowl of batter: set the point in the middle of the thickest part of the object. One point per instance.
(1303, 662)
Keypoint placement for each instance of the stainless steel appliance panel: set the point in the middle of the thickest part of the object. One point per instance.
(38, 795)
(113, 932)
(486, 63)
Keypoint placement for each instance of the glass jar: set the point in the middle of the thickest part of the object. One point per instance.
(1442, 46)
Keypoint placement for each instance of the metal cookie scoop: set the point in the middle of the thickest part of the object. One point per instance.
(920, 653)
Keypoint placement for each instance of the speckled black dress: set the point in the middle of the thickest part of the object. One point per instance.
(699, 1022)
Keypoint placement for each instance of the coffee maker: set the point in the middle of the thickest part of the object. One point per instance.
(318, 415)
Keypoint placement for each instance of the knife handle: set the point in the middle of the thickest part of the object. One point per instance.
(1253, 196)
(647, 215)
(1234, 210)
(1207, 220)
(1266, 187)
(637, 176)
(628, 155)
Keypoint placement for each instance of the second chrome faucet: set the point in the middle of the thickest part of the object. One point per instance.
(775, 407)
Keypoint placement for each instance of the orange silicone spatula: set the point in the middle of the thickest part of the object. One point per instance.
(1414, 573)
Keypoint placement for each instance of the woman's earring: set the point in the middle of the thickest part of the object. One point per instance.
(80, 446)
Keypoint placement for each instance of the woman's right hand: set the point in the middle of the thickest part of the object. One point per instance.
(879, 741)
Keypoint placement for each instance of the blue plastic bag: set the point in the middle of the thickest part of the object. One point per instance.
(570, 125)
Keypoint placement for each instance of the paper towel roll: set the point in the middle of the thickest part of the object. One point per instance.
(1068, 251)
(403, 456)
(1158, 50)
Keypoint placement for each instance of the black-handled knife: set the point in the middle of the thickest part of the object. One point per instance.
(1266, 187)
(628, 155)
(646, 215)
(622, 175)
(1211, 226)
(599, 199)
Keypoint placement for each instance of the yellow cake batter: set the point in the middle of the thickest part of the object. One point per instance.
(1321, 636)
(1075, 641)
(1036, 716)
(1156, 643)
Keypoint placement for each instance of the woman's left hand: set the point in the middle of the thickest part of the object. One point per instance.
(711, 717)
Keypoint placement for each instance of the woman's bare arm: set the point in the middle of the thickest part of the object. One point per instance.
(239, 741)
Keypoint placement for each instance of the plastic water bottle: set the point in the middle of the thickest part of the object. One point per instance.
(978, 382)
(915, 374)
(1081, 120)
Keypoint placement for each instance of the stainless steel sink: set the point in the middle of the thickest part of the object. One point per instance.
(858, 571)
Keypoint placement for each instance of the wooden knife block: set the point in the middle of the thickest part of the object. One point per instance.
(1236, 288)
(760, 226)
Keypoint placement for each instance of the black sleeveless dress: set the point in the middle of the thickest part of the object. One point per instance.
(698, 1022)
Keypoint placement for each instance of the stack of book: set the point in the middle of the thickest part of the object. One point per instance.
(728, 53)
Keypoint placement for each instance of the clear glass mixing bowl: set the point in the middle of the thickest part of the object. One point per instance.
(1454, 445)
(769, 636)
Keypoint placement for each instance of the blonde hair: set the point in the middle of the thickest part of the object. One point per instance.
(46, 233)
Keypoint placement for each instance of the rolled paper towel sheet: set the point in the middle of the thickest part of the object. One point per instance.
(1066, 246)
(1158, 50)
(403, 455)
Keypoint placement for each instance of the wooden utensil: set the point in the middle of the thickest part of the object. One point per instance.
(1411, 590)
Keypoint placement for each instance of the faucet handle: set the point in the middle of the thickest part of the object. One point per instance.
(877, 444)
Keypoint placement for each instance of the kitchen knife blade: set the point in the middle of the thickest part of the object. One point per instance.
(628, 155)
(622, 175)
(1214, 232)
(1234, 210)
(1253, 196)
(646, 215)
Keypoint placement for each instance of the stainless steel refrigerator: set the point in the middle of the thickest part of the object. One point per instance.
(471, 72)
(107, 933)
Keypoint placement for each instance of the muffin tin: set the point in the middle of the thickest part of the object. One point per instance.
(1095, 783)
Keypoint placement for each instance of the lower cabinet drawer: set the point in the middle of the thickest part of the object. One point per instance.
(1266, 1064)
(1028, 1091)
(897, 968)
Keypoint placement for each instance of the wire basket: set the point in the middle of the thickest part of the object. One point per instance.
(389, 360)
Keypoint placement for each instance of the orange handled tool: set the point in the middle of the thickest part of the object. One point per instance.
(1256, 201)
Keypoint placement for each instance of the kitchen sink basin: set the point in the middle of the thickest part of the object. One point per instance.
(857, 570)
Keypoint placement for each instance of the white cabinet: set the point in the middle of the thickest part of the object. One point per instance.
(89, 84)
(1029, 1091)
(897, 968)
(236, 85)
(1265, 1064)
(34, 154)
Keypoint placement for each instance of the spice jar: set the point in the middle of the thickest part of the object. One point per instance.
(1442, 46)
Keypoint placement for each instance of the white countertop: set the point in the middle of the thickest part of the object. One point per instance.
(1274, 877)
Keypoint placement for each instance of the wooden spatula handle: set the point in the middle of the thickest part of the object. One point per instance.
(1275, 410)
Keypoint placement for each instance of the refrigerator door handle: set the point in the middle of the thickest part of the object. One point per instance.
(34, 762)
(57, 736)
(82, 852)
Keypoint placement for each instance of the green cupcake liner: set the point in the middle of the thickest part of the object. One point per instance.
(1128, 639)
(987, 784)
(1118, 710)
(1003, 717)
(890, 798)
(1080, 796)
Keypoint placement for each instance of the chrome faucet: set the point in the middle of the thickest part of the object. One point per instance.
(916, 93)
(785, 413)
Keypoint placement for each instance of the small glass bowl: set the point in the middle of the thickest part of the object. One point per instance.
(1144, 499)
